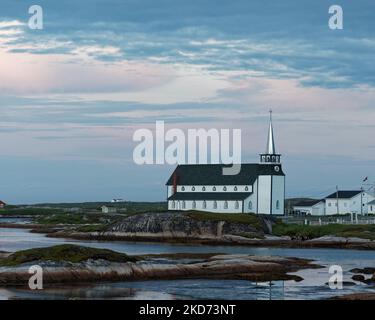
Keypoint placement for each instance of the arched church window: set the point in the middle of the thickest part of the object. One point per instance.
(277, 205)
(250, 205)
(204, 189)
(215, 204)
(193, 189)
(273, 158)
(182, 188)
(225, 189)
(183, 204)
(268, 158)
(214, 189)
(246, 188)
(225, 204)
(236, 205)
(173, 205)
(204, 204)
(235, 189)
(194, 205)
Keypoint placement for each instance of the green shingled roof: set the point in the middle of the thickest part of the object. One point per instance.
(211, 174)
(345, 194)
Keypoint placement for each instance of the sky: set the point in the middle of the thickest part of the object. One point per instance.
(73, 94)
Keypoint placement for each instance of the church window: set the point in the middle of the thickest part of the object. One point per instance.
(182, 188)
(214, 189)
(246, 188)
(192, 188)
(250, 205)
(173, 205)
(225, 204)
(277, 205)
(203, 188)
(204, 204)
(215, 204)
(225, 189)
(273, 158)
(235, 189)
(268, 158)
(236, 205)
(194, 205)
(183, 204)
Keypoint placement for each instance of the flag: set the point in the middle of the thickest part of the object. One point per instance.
(365, 179)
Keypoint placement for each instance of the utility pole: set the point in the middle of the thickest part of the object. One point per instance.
(361, 200)
(337, 199)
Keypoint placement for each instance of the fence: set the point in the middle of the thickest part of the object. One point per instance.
(325, 220)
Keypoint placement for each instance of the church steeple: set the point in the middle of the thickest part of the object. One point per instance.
(270, 149)
(270, 156)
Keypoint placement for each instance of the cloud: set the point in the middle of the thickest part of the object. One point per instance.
(270, 40)
(74, 92)
(24, 73)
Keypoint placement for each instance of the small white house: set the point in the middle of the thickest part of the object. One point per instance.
(342, 202)
(310, 207)
(339, 202)
(108, 209)
(371, 207)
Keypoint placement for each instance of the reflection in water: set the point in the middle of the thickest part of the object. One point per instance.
(312, 287)
(182, 289)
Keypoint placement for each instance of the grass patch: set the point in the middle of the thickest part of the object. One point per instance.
(73, 218)
(122, 207)
(64, 252)
(311, 232)
(248, 218)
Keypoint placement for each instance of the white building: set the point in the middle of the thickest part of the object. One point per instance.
(108, 209)
(310, 207)
(339, 202)
(258, 188)
(371, 207)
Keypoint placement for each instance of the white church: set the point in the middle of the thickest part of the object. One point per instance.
(257, 188)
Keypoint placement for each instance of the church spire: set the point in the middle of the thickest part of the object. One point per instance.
(270, 156)
(270, 149)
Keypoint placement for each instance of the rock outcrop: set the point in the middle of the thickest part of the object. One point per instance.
(181, 225)
(254, 268)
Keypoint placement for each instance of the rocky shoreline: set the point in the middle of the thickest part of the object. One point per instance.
(238, 266)
(227, 240)
(194, 228)
(223, 240)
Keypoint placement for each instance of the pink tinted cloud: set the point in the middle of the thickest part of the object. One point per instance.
(25, 73)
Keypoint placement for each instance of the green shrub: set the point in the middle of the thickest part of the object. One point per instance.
(310, 232)
(64, 252)
(248, 218)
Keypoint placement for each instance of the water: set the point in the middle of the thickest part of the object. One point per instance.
(15, 220)
(312, 287)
